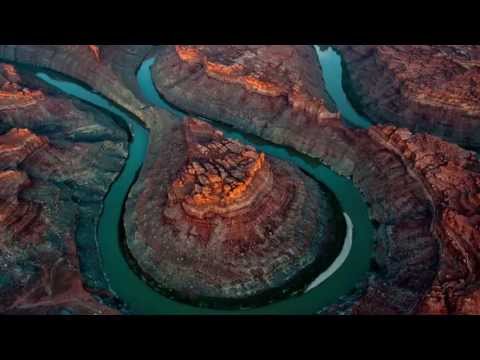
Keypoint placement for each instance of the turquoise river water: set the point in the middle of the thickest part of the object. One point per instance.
(139, 297)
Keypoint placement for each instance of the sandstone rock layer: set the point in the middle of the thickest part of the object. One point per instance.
(426, 238)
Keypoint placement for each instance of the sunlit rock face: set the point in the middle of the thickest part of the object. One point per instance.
(216, 221)
(19, 220)
(95, 52)
(427, 88)
(265, 89)
(57, 161)
(224, 177)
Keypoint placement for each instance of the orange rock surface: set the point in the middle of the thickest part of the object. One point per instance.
(223, 175)
(96, 52)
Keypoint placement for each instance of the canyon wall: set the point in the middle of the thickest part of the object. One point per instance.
(58, 158)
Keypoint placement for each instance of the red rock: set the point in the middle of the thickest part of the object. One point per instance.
(96, 51)
(216, 221)
(295, 114)
(17, 145)
(265, 89)
(412, 183)
(451, 177)
(39, 221)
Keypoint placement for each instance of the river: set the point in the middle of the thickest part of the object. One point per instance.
(340, 278)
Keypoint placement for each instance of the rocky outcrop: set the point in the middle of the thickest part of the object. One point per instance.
(426, 237)
(425, 88)
(112, 73)
(446, 180)
(217, 223)
(58, 158)
(261, 89)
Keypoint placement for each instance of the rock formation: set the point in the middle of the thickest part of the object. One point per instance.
(409, 250)
(259, 89)
(58, 158)
(421, 191)
(425, 88)
(217, 222)
(451, 177)
(81, 62)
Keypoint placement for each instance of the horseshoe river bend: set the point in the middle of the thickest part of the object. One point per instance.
(340, 278)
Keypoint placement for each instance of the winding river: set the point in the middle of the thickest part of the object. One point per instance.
(339, 279)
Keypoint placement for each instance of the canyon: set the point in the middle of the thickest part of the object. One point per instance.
(422, 191)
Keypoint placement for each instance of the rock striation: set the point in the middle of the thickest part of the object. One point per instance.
(220, 224)
(425, 88)
(58, 158)
(109, 69)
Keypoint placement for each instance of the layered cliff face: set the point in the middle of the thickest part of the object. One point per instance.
(266, 90)
(446, 179)
(426, 88)
(217, 222)
(57, 160)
